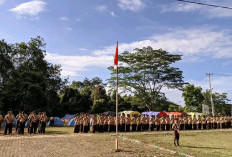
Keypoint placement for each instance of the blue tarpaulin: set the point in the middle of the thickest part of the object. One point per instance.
(68, 116)
(57, 122)
(71, 122)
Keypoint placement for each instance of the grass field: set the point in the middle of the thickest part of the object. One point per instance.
(62, 142)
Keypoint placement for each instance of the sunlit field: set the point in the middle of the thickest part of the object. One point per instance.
(61, 141)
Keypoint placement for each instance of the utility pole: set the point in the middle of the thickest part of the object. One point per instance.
(210, 89)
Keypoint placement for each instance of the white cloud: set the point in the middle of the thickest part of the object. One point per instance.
(131, 5)
(64, 18)
(71, 65)
(189, 42)
(68, 28)
(204, 10)
(32, 8)
(83, 49)
(113, 14)
(101, 8)
(2, 2)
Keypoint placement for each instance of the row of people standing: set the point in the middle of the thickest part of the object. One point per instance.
(36, 123)
(102, 123)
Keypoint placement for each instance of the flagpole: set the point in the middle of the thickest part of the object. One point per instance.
(116, 144)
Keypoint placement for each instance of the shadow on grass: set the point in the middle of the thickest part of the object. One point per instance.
(57, 132)
(201, 147)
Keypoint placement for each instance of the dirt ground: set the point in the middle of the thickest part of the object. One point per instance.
(61, 142)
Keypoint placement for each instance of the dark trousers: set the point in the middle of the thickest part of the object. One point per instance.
(133, 127)
(85, 129)
(168, 127)
(204, 126)
(152, 127)
(43, 126)
(194, 126)
(199, 126)
(21, 128)
(122, 127)
(215, 125)
(181, 126)
(190, 126)
(111, 128)
(76, 128)
(157, 127)
(162, 127)
(8, 127)
(81, 128)
(128, 128)
(33, 127)
(139, 127)
(106, 127)
(100, 128)
(147, 127)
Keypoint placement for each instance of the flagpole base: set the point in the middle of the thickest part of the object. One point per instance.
(116, 145)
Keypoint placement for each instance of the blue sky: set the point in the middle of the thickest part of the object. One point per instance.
(81, 35)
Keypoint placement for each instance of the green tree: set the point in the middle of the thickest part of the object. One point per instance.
(28, 79)
(220, 102)
(145, 72)
(100, 100)
(193, 98)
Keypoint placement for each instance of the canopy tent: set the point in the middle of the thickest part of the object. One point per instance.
(68, 117)
(57, 122)
(150, 113)
(109, 113)
(196, 114)
(131, 113)
(162, 114)
(176, 114)
(71, 122)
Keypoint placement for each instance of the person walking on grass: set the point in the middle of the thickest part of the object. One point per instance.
(175, 127)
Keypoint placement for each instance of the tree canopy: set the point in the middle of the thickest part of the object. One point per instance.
(145, 72)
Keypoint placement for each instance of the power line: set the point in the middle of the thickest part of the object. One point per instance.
(205, 4)
(223, 74)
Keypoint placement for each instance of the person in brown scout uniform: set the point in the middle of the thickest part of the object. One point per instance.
(218, 122)
(190, 123)
(152, 123)
(94, 123)
(181, 121)
(199, 122)
(85, 124)
(128, 123)
(172, 121)
(101, 124)
(208, 122)
(139, 123)
(1, 120)
(22, 120)
(214, 122)
(33, 120)
(143, 122)
(157, 123)
(133, 122)
(9, 123)
(77, 124)
(122, 122)
(43, 122)
(168, 123)
(185, 123)
(162, 123)
(81, 123)
(175, 127)
(111, 124)
(194, 123)
(147, 122)
(105, 123)
(203, 120)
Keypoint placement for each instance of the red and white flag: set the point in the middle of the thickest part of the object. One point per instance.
(116, 57)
